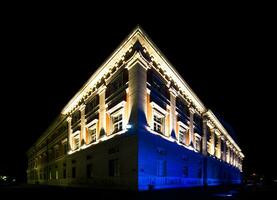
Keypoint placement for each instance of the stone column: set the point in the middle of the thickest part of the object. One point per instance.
(69, 120)
(224, 149)
(227, 152)
(137, 73)
(204, 137)
(102, 111)
(212, 141)
(204, 150)
(218, 145)
(172, 114)
(191, 127)
(83, 125)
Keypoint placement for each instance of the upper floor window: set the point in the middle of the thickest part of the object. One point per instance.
(117, 83)
(92, 104)
(158, 121)
(76, 117)
(183, 133)
(76, 140)
(117, 122)
(91, 131)
(197, 142)
(92, 134)
(116, 115)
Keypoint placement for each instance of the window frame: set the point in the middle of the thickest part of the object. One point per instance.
(115, 111)
(90, 127)
(161, 113)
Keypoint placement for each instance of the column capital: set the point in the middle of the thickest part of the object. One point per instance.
(217, 132)
(173, 92)
(82, 107)
(192, 110)
(102, 89)
(68, 119)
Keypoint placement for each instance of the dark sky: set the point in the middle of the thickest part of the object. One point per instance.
(226, 57)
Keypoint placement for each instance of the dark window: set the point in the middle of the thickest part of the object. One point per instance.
(76, 117)
(64, 173)
(92, 104)
(114, 167)
(65, 148)
(73, 172)
(115, 85)
(199, 173)
(185, 171)
(89, 171)
(161, 167)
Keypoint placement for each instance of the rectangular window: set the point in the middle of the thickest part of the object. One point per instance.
(197, 144)
(182, 134)
(158, 123)
(114, 167)
(92, 134)
(73, 172)
(117, 123)
(76, 142)
(185, 171)
(161, 167)
(89, 171)
(65, 148)
(64, 173)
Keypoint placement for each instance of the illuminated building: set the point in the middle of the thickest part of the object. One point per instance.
(135, 124)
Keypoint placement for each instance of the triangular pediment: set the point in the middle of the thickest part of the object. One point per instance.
(136, 41)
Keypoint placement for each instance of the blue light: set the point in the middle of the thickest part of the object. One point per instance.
(128, 126)
(156, 155)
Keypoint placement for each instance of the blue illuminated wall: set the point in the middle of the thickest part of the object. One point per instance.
(165, 164)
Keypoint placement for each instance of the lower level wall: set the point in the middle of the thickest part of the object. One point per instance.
(165, 164)
(122, 148)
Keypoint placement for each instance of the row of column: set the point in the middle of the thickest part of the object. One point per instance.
(83, 131)
(219, 146)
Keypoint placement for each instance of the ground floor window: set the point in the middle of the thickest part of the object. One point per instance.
(161, 168)
(64, 173)
(73, 172)
(114, 167)
(89, 171)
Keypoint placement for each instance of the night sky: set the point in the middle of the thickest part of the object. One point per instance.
(226, 57)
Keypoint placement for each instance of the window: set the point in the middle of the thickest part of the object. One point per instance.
(73, 172)
(158, 120)
(185, 171)
(65, 148)
(182, 135)
(114, 167)
(92, 134)
(89, 171)
(64, 173)
(117, 123)
(76, 141)
(158, 123)
(199, 173)
(197, 142)
(161, 167)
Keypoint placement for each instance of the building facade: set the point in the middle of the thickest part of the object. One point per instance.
(137, 125)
